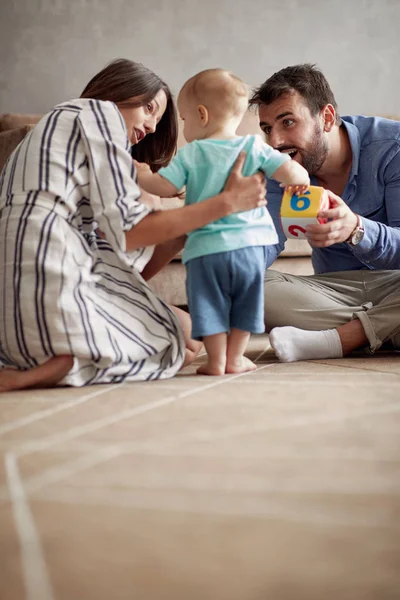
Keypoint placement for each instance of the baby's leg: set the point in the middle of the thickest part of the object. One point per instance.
(236, 362)
(216, 348)
(208, 287)
(247, 311)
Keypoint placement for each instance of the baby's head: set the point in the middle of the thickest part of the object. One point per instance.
(211, 100)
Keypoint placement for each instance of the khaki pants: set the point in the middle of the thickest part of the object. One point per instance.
(326, 301)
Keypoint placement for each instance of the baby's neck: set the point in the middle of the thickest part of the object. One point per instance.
(225, 131)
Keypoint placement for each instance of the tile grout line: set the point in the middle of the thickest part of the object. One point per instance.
(263, 510)
(331, 364)
(75, 432)
(298, 422)
(111, 450)
(263, 352)
(35, 574)
(57, 474)
(42, 414)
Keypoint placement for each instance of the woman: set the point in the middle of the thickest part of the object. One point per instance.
(72, 293)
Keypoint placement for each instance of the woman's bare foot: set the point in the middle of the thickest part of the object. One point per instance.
(43, 376)
(192, 350)
(193, 347)
(240, 365)
(211, 369)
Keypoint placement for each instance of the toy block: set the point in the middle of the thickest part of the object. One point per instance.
(299, 211)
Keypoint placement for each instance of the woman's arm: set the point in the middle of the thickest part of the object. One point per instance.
(239, 194)
(162, 255)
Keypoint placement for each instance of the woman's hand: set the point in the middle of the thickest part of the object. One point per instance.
(338, 229)
(141, 167)
(245, 193)
(151, 200)
(240, 194)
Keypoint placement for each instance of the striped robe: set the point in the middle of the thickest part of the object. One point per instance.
(63, 289)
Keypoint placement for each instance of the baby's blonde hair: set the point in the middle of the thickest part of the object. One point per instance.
(222, 92)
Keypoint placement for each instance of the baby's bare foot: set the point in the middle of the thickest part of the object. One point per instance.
(211, 369)
(240, 366)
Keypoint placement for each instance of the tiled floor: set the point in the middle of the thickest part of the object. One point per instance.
(279, 484)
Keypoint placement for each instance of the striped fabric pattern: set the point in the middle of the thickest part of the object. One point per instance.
(63, 289)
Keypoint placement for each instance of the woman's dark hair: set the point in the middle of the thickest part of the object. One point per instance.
(124, 79)
(305, 79)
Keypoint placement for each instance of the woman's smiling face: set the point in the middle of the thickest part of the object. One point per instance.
(142, 120)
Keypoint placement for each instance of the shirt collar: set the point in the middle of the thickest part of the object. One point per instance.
(355, 143)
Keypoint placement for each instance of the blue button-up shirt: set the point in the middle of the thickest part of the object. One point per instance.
(372, 191)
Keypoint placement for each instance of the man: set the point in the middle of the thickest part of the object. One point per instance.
(353, 300)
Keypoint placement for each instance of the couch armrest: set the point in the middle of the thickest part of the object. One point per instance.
(9, 140)
(15, 120)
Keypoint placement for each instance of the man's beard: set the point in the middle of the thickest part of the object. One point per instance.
(313, 158)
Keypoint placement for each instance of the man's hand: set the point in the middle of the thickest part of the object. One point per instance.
(342, 222)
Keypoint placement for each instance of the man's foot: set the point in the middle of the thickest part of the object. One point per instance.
(211, 369)
(43, 376)
(291, 344)
(240, 366)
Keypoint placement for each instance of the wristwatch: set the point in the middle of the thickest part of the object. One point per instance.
(357, 235)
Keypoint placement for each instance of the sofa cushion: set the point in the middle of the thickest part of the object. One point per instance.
(9, 140)
(16, 120)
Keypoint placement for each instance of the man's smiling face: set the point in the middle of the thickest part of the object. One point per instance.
(289, 127)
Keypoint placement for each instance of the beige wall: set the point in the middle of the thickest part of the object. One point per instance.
(50, 48)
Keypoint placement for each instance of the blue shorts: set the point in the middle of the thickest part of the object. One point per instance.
(226, 290)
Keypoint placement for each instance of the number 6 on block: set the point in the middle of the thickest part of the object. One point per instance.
(299, 211)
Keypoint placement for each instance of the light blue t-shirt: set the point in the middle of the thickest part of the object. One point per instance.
(204, 166)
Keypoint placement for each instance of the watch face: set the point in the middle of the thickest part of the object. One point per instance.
(357, 237)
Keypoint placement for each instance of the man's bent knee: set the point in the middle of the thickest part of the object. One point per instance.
(279, 297)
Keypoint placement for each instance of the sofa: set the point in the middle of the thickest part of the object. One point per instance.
(169, 283)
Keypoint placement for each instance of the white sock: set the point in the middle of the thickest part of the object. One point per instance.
(291, 344)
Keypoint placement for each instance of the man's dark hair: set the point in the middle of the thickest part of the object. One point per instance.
(305, 79)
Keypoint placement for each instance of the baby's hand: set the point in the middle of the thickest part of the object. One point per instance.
(295, 189)
(141, 168)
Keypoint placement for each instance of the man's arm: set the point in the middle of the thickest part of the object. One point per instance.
(380, 247)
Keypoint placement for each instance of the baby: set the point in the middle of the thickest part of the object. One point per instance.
(226, 259)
